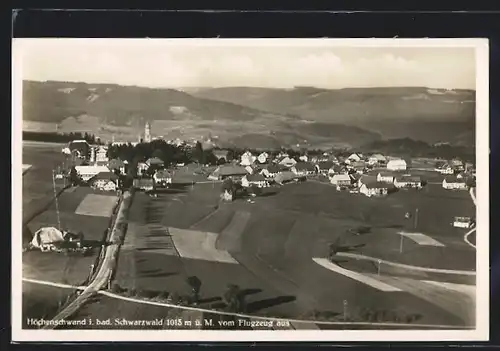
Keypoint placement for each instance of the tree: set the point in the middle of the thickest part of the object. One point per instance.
(195, 283)
(74, 177)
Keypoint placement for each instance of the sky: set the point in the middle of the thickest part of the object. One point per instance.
(219, 63)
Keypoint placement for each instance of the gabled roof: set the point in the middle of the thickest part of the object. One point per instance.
(367, 179)
(284, 176)
(227, 170)
(454, 179)
(274, 168)
(220, 153)
(387, 174)
(304, 166)
(358, 164)
(397, 161)
(104, 176)
(255, 177)
(163, 173)
(115, 163)
(408, 178)
(345, 177)
(378, 185)
(378, 157)
(326, 165)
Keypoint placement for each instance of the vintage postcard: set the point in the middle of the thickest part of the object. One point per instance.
(250, 190)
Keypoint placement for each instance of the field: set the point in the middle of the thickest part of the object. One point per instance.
(40, 210)
(275, 240)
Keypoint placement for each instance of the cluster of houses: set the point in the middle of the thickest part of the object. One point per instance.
(349, 173)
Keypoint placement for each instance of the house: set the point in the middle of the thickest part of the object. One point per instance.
(154, 162)
(101, 154)
(358, 166)
(254, 179)
(386, 177)
(408, 181)
(445, 169)
(285, 177)
(324, 167)
(336, 169)
(341, 180)
(221, 155)
(272, 170)
(355, 178)
(263, 157)
(366, 179)
(463, 222)
(453, 183)
(247, 159)
(377, 159)
(355, 157)
(303, 169)
(396, 165)
(303, 158)
(142, 167)
(106, 181)
(374, 189)
(87, 172)
(117, 164)
(457, 164)
(287, 162)
(146, 184)
(162, 177)
(228, 171)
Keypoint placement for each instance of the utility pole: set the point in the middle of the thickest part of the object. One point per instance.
(401, 243)
(416, 218)
(57, 202)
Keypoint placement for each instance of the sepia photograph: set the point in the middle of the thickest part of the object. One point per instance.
(286, 189)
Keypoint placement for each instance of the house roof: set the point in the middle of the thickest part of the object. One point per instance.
(274, 168)
(409, 178)
(326, 165)
(220, 153)
(306, 166)
(104, 176)
(397, 161)
(377, 185)
(345, 177)
(379, 157)
(454, 179)
(255, 177)
(91, 169)
(287, 160)
(286, 175)
(367, 179)
(386, 174)
(143, 181)
(227, 170)
(358, 164)
(154, 161)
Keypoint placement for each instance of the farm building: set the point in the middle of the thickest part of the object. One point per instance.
(324, 167)
(106, 181)
(396, 165)
(374, 189)
(272, 170)
(287, 162)
(254, 179)
(228, 171)
(386, 177)
(285, 177)
(162, 177)
(45, 237)
(87, 172)
(453, 183)
(463, 222)
(408, 181)
(303, 169)
(221, 155)
(247, 159)
(263, 157)
(341, 180)
(146, 184)
(377, 159)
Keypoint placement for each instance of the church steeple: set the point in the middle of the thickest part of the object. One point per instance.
(147, 132)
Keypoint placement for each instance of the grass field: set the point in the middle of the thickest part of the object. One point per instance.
(275, 239)
(41, 301)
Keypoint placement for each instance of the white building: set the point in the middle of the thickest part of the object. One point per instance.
(254, 179)
(303, 158)
(453, 183)
(262, 158)
(87, 172)
(247, 159)
(147, 132)
(374, 189)
(288, 162)
(377, 159)
(101, 154)
(385, 177)
(463, 222)
(407, 181)
(396, 165)
(341, 180)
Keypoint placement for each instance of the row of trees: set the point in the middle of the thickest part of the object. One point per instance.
(53, 137)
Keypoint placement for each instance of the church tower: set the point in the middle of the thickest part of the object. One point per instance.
(147, 133)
